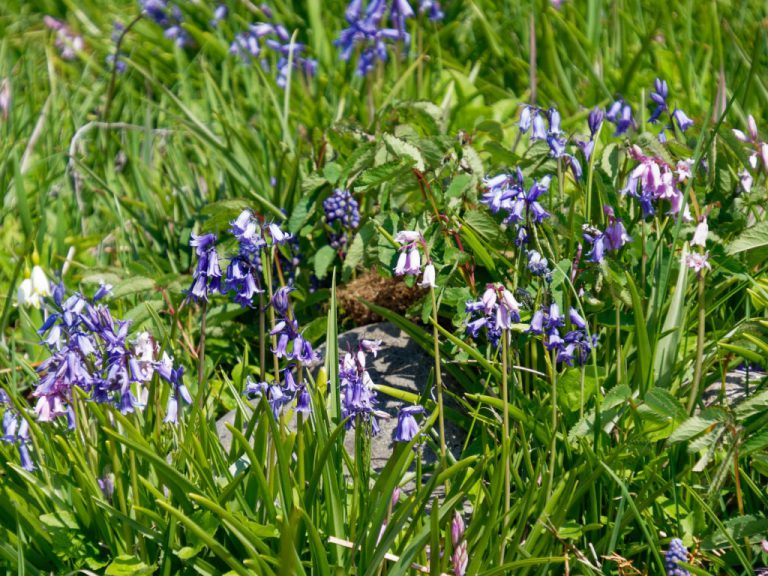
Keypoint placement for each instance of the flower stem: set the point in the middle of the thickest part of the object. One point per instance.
(553, 452)
(438, 379)
(699, 349)
(505, 448)
(201, 359)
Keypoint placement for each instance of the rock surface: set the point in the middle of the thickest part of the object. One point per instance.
(402, 364)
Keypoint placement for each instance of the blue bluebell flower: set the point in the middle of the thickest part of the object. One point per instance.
(620, 114)
(407, 428)
(207, 276)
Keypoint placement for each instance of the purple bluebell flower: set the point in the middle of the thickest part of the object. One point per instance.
(170, 18)
(432, 9)
(525, 119)
(250, 45)
(595, 121)
(499, 310)
(219, 14)
(576, 319)
(616, 234)
(358, 397)
(659, 96)
(303, 405)
(207, 276)
(407, 428)
(597, 240)
(539, 128)
(367, 32)
(538, 265)
(683, 122)
(676, 553)
(620, 114)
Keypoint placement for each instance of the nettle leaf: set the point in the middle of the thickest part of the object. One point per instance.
(402, 148)
(385, 172)
(661, 413)
(360, 159)
(751, 239)
(132, 286)
(737, 529)
(695, 425)
(752, 406)
(570, 392)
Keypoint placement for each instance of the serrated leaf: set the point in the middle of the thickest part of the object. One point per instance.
(692, 427)
(751, 239)
(753, 405)
(402, 148)
(385, 172)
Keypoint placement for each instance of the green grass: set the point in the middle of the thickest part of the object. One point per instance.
(107, 176)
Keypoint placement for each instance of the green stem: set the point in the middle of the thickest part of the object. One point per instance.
(505, 438)
(438, 380)
(699, 349)
(553, 448)
(201, 360)
(262, 340)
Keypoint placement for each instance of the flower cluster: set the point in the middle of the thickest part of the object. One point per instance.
(677, 118)
(538, 265)
(460, 558)
(358, 397)
(759, 149)
(676, 553)
(291, 345)
(251, 44)
(653, 181)
(242, 277)
(612, 239)
(575, 346)
(497, 310)
(342, 209)
(169, 18)
(15, 430)
(409, 261)
(698, 261)
(534, 118)
(368, 30)
(67, 42)
(243, 269)
(206, 278)
(506, 194)
(92, 350)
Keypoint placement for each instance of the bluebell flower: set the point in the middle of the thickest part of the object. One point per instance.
(683, 122)
(170, 18)
(249, 45)
(595, 120)
(620, 114)
(538, 265)
(432, 8)
(407, 428)
(358, 398)
(659, 96)
(207, 276)
(368, 31)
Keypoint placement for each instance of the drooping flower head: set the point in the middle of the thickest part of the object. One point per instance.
(206, 278)
(407, 428)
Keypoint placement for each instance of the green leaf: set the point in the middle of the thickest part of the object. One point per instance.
(644, 359)
(402, 148)
(133, 286)
(127, 565)
(694, 426)
(750, 239)
(385, 172)
(323, 260)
